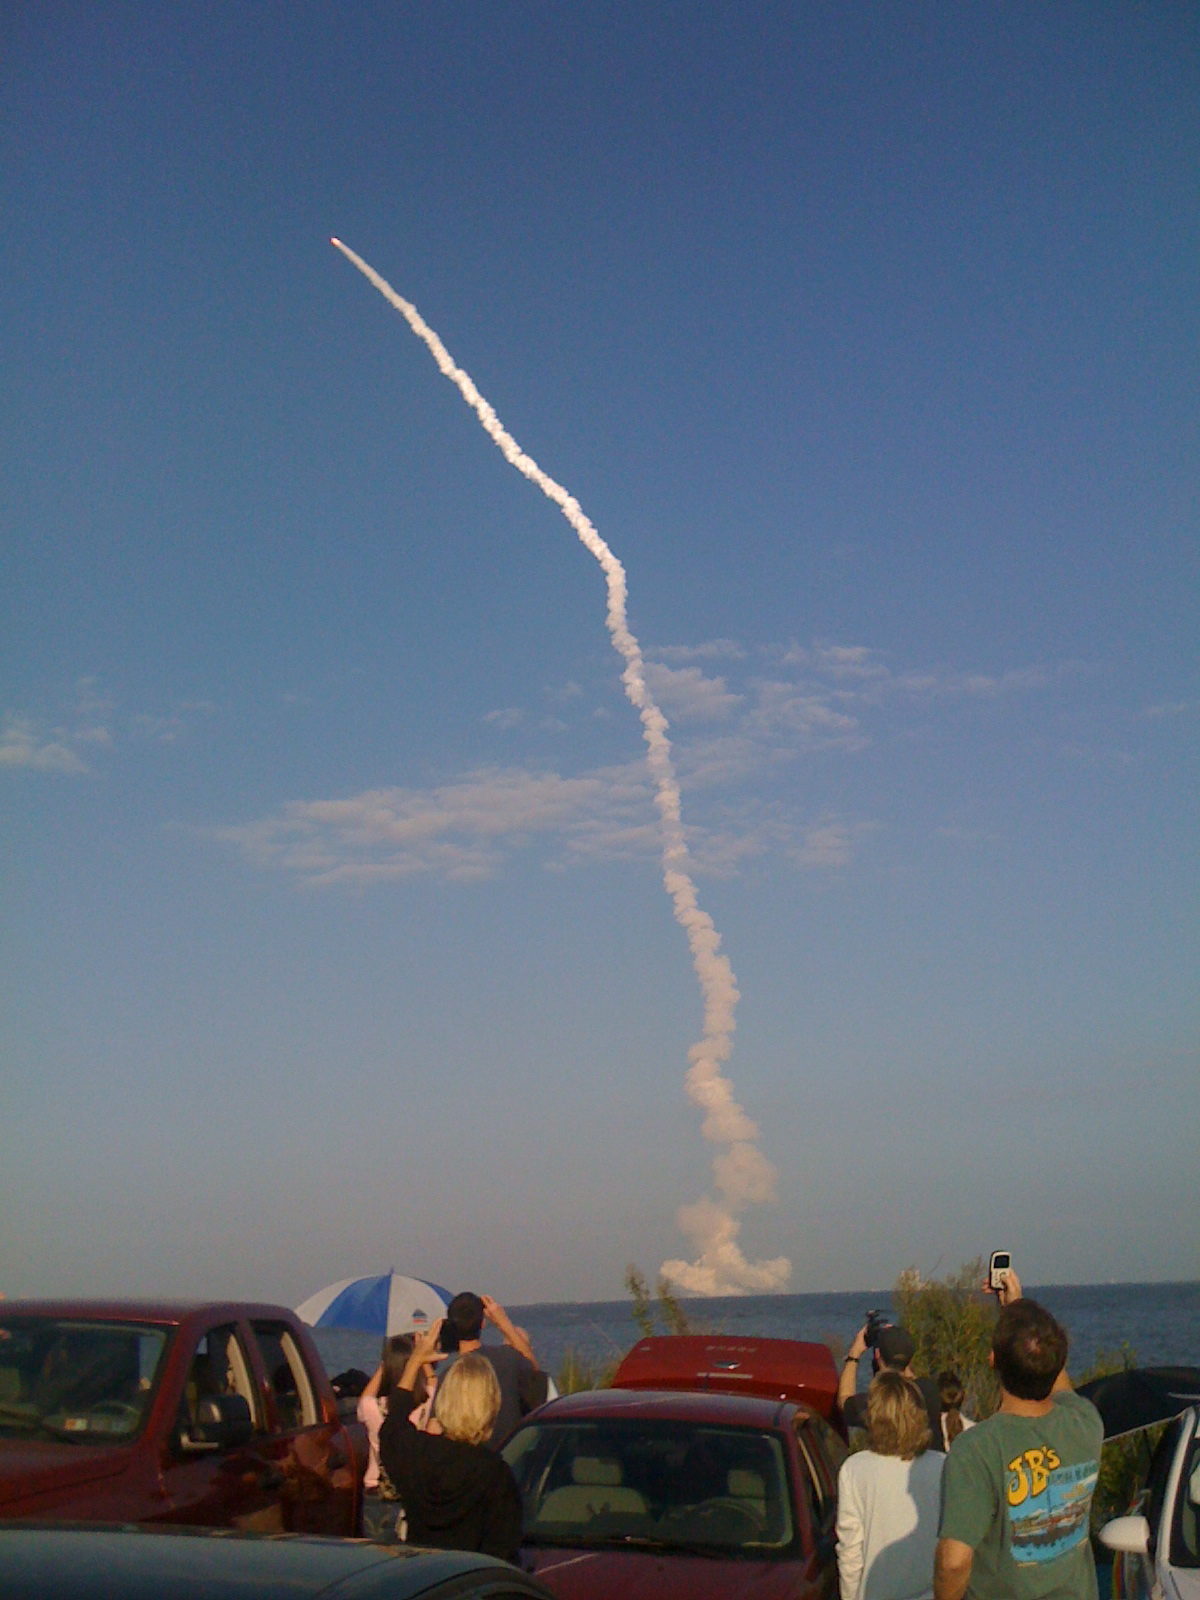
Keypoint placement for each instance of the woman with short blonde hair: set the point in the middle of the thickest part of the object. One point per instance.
(897, 1421)
(888, 1499)
(468, 1400)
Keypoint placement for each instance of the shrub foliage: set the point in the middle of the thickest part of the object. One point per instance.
(951, 1322)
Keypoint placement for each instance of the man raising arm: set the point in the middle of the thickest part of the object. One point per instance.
(1017, 1489)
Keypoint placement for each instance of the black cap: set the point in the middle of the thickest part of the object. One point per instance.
(896, 1348)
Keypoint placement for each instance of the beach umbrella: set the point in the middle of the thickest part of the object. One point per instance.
(1141, 1396)
(385, 1305)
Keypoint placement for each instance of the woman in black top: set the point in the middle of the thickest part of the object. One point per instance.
(456, 1493)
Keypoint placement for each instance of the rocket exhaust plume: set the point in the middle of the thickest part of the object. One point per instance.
(743, 1174)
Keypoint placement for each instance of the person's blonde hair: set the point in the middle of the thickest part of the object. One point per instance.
(897, 1421)
(468, 1400)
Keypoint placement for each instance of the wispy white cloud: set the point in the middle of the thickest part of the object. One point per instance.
(734, 742)
(810, 715)
(167, 727)
(461, 830)
(857, 661)
(91, 722)
(686, 695)
(973, 683)
(858, 670)
(712, 650)
(164, 730)
(505, 718)
(829, 843)
(22, 744)
(467, 829)
(565, 691)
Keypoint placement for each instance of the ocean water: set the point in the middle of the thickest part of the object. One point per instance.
(1159, 1321)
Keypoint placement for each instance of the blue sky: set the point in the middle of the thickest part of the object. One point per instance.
(335, 936)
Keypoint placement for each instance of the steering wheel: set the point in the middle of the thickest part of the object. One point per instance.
(724, 1505)
(126, 1416)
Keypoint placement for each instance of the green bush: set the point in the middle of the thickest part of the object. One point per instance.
(951, 1322)
(1123, 1462)
(576, 1372)
(670, 1308)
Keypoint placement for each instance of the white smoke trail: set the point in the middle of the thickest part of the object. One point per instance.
(743, 1174)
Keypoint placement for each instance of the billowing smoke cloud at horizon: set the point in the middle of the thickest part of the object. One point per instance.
(743, 1175)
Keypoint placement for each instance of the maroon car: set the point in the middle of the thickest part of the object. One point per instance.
(217, 1415)
(688, 1490)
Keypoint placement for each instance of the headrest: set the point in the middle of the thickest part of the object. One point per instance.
(593, 1470)
(745, 1485)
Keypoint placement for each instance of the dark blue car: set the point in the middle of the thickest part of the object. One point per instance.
(56, 1561)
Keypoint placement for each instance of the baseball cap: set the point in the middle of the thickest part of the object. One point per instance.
(896, 1348)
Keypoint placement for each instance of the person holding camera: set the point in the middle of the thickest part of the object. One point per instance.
(522, 1385)
(892, 1350)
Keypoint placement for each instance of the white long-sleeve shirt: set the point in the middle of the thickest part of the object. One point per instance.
(887, 1525)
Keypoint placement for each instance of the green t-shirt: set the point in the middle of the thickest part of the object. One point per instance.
(1018, 1490)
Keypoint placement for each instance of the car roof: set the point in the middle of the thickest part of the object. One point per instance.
(666, 1405)
(171, 1312)
(48, 1561)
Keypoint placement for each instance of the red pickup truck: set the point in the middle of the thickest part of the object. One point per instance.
(218, 1415)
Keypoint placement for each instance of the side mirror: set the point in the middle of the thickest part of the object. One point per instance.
(223, 1422)
(1128, 1535)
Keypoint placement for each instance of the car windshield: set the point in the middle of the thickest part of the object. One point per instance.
(635, 1483)
(70, 1378)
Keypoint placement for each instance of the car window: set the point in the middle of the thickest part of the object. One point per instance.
(656, 1484)
(1156, 1478)
(219, 1365)
(295, 1397)
(827, 1448)
(1185, 1528)
(75, 1379)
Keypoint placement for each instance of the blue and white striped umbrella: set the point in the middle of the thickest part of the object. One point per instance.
(383, 1306)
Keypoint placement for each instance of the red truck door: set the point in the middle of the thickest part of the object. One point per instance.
(310, 1451)
(206, 1486)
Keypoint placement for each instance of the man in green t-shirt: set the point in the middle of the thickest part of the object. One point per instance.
(1017, 1489)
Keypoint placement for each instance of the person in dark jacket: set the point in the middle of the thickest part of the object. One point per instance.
(457, 1494)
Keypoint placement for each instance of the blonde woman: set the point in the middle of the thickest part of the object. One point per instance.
(888, 1498)
(457, 1494)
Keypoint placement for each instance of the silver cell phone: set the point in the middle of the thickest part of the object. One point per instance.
(998, 1269)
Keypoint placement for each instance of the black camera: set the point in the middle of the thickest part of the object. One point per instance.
(877, 1321)
(448, 1339)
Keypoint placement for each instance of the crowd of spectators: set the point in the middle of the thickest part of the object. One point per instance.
(932, 1505)
(937, 1507)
